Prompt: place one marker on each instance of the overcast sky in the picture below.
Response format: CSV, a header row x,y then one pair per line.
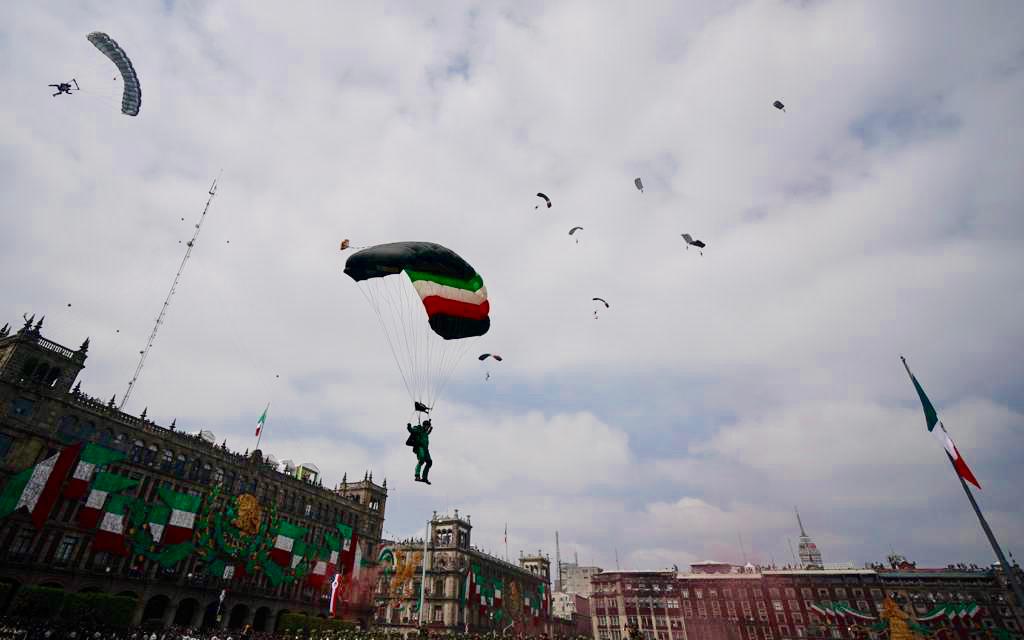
x,y
879,215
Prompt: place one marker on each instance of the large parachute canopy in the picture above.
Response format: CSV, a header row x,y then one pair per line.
x,y
429,302
131,100
546,199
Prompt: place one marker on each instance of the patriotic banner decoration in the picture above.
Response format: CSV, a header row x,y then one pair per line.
x,y
110,537
287,535
157,519
37,488
952,612
93,456
182,518
839,610
106,484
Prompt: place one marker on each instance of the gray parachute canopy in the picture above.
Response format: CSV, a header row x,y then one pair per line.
x,y
131,100
639,184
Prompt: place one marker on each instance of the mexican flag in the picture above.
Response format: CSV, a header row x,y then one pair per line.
x,y
110,537
497,595
327,563
931,418
182,518
287,535
262,420
106,484
298,553
37,488
349,548
93,456
157,518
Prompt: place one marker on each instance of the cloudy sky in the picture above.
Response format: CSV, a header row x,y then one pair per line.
x,y
879,215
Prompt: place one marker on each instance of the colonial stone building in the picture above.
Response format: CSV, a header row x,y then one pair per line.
x,y
465,588
43,413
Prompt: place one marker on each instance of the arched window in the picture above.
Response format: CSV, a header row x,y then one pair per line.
x,y
195,469
179,466
218,475
53,377
151,454
138,449
166,460
204,475
106,436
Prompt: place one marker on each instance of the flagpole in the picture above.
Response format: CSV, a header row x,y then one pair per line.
x,y
506,542
1008,570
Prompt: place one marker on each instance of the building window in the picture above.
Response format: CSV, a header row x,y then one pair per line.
x,y
799,631
806,593
773,592
66,550
5,444
823,593
138,448
23,544
166,460
783,631
790,592
438,613
22,407
876,594
858,593
798,618
777,605
794,605
151,454
840,592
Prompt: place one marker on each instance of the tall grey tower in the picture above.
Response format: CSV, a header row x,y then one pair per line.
x,y
810,556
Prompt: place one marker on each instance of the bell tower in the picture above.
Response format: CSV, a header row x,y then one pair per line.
x,y
450,531
29,359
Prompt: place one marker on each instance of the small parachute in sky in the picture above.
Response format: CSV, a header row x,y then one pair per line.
x,y
485,356
696,243
778,105
639,184
343,245
606,305
131,100
546,199
573,231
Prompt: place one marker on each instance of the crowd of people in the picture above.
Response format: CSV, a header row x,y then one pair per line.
x,y
22,629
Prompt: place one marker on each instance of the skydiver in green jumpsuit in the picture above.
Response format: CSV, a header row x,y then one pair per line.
x,y
419,440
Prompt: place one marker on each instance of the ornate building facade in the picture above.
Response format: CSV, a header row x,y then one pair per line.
x,y
96,499
463,588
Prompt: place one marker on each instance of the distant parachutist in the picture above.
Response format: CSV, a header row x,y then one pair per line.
x,y
573,231
696,243
778,105
639,184
65,87
546,199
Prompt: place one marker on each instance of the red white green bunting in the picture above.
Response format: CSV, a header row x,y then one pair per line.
x,y
284,542
37,488
110,536
93,456
105,485
952,611
182,520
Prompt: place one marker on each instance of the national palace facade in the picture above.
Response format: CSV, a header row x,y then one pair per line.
x,y
97,500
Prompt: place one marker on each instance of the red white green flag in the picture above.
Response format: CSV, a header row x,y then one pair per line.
x,y
106,484
110,536
156,520
349,546
93,457
37,488
931,419
182,519
327,563
287,535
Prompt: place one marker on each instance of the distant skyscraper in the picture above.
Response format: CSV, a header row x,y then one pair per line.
x,y
810,556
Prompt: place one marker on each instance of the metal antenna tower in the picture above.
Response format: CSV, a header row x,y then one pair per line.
x,y
167,300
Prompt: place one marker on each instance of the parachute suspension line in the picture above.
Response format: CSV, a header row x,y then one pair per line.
x,y
167,301
387,334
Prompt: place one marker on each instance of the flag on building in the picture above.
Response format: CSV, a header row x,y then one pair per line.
x,y
931,419
298,553
105,485
349,545
262,420
182,519
287,535
327,562
110,536
93,456
335,588
157,518
37,488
